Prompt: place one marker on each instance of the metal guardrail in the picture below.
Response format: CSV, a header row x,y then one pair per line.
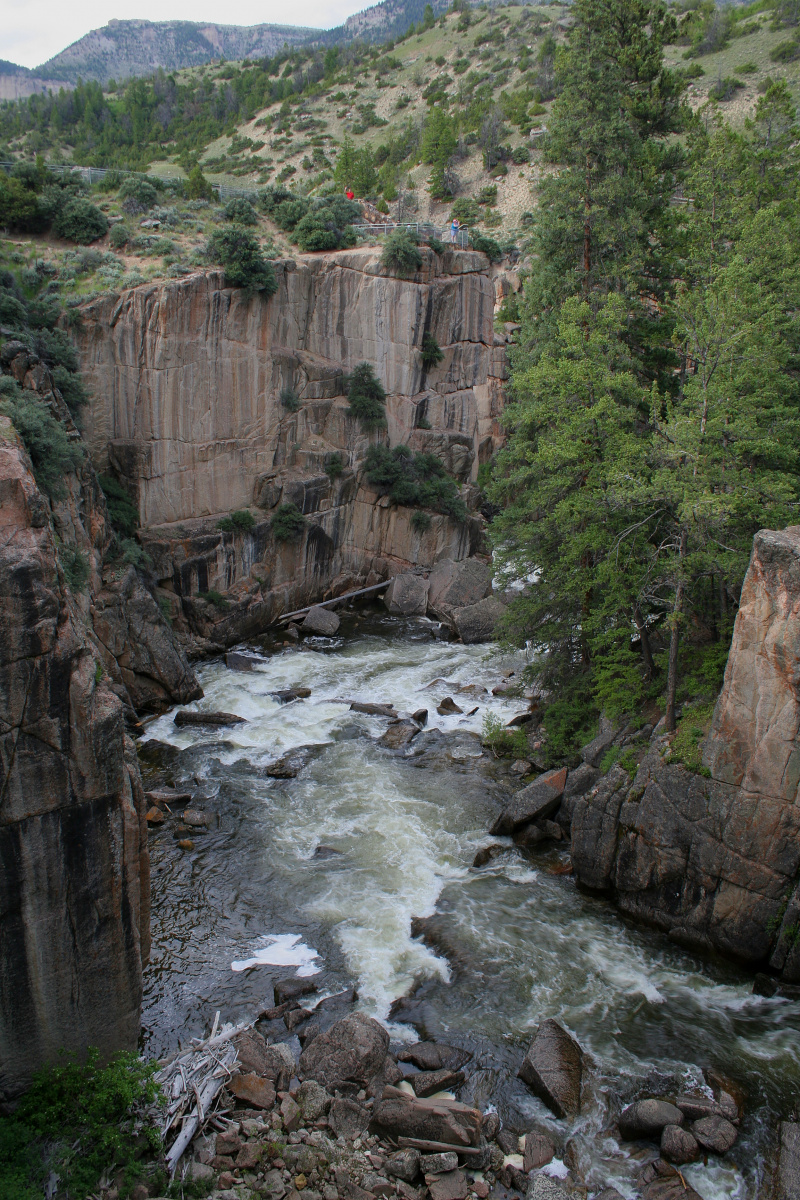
x,y
423,229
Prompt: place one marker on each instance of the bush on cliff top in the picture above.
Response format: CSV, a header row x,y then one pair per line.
x,y
79,1120
401,253
239,253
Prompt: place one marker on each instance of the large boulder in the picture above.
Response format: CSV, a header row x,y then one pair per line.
x,y
539,799
351,1051
478,622
321,621
553,1069
647,1118
407,596
457,585
446,1122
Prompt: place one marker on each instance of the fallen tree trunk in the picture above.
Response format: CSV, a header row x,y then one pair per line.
x,y
301,612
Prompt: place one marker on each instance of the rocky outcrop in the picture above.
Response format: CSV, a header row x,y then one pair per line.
x,y
74,885
714,859
187,378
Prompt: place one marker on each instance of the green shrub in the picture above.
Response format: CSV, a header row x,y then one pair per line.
x,y
240,521
414,480
122,512
239,253
12,310
241,211
133,554
724,89
290,400
487,246
288,523
141,193
432,353
437,246
748,68
687,742
76,568
488,194
420,521
503,741
55,348
366,396
119,236
401,253
77,1121
78,220
53,454
334,465
216,598
318,231
520,155
289,212
786,51
70,384
20,209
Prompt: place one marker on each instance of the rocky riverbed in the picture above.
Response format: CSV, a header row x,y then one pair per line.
x,y
304,837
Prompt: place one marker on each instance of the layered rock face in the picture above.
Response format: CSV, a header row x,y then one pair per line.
x,y
715,861
187,378
74,884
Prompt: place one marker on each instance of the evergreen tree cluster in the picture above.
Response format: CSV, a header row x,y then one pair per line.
x,y
655,408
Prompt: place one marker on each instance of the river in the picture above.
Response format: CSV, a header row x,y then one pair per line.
x,y
323,873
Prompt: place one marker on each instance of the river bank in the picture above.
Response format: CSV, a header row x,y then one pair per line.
x,y
326,871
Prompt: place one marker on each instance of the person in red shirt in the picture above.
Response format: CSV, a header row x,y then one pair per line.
x,y
350,194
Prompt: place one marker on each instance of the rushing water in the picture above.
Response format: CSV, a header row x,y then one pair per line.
x,y
323,873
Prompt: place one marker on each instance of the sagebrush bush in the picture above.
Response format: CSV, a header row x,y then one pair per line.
x,y
142,194
487,246
241,211
401,253
239,253
288,523
367,397
119,236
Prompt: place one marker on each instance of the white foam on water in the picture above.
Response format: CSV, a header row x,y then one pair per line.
x,y
282,950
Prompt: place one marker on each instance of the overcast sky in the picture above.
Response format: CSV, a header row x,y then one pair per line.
x,y
35,30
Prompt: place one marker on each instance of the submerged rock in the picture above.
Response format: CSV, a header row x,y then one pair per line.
x,y
553,1069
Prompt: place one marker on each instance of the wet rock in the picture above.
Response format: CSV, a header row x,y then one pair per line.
x,y
312,1100
321,621
678,1145
447,707
478,622
609,1193
715,1133
695,1107
194,818
168,796
451,1123
348,1119
450,1186
437,1164
787,1178
539,799
427,1082
399,735
287,695
662,1182
553,1068
327,852
373,710
258,1092
295,1017
404,1165
508,1141
238,660
539,1150
730,1096
407,596
284,768
434,1056
420,716
353,1049
487,854
491,1126
292,989
647,1118
154,816
184,717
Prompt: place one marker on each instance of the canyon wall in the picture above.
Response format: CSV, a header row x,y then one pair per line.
x,y
714,859
186,378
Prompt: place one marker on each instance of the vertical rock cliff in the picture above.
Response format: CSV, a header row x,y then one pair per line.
x,y
715,860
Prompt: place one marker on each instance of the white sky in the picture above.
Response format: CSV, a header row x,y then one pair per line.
x,y
35,30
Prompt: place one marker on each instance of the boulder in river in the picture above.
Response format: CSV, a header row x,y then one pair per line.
x,y
434,1056
715,1133
448,706
663,1182
458,584
321,621
399,734
373,710
553,1069
425,1083
678,1145
539,799
287,695
478,622
647,1118
407,596
352,1050
539,1150
292,989
185,717
239,660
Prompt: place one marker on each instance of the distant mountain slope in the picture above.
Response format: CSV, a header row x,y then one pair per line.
x,y
17,82
382,21
124,48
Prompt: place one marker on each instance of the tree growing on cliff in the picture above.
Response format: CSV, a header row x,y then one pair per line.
x,y
367,396
238,251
